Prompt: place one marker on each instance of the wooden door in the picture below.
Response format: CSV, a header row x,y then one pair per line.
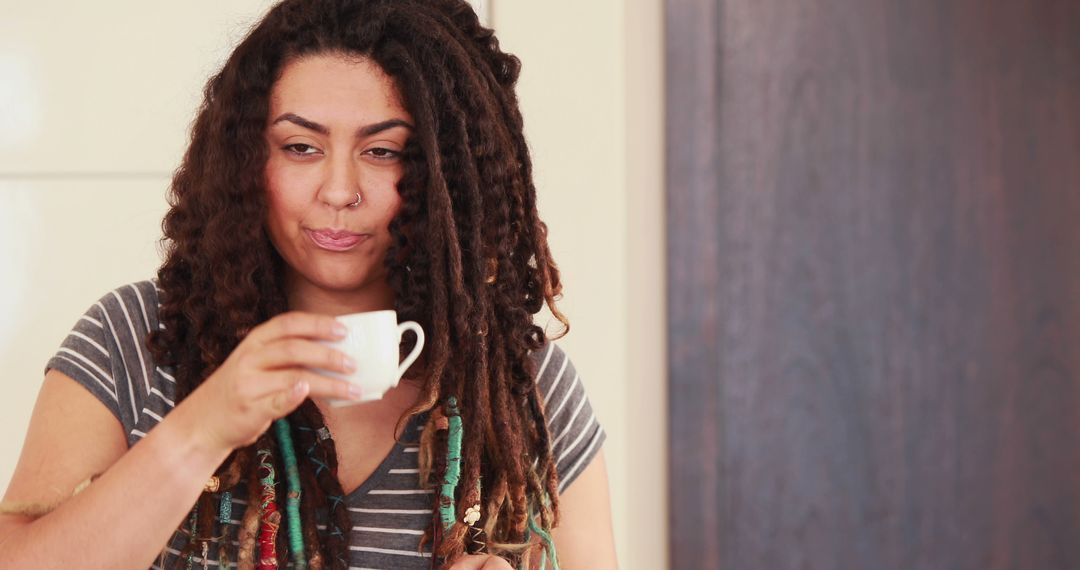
x,y
874,284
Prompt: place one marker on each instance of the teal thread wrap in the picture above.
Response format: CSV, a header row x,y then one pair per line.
x,y
194,521
292,501
549,544
225,514
453,464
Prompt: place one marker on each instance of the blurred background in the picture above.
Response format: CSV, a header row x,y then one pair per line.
x,y
95,104
821,258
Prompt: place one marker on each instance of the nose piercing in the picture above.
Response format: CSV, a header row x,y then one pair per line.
x,y
357,202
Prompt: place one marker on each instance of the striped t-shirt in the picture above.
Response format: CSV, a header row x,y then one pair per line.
x,y
106,353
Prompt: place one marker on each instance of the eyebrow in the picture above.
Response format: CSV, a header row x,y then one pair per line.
x,y
365,131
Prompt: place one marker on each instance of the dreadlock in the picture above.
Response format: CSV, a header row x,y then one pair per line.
x,y
469,261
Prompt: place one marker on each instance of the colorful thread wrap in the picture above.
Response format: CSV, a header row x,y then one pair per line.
x,y
292,500
549,552
270,518
549,544
194,521
453,464
224,516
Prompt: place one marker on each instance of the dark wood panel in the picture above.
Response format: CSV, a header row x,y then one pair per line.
x,y
874,283
694,318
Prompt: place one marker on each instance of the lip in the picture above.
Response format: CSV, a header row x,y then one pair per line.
x,y
335,240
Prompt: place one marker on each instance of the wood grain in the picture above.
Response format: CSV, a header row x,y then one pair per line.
x,y
874,283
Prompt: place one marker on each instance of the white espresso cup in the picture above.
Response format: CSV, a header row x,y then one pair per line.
x,y
373,341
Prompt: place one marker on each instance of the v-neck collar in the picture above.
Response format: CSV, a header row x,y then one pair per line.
x,y
410,438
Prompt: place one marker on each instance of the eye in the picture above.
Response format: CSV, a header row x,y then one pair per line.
x,y
380,153
300,149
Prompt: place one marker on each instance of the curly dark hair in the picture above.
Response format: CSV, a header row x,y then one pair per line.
x,y
470,260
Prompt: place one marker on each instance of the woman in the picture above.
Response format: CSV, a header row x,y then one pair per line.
x,y
350,156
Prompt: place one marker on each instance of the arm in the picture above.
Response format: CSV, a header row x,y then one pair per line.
x,y
142,497
584,536
145,492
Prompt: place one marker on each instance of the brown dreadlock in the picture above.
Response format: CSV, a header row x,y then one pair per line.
x,y
469,262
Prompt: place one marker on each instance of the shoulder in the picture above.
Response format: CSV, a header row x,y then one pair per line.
x,y
106,352
125,315
122,316
575,432
551,364
131,308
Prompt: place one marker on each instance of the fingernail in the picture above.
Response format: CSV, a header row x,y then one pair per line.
x,y
339,330
354,391
299,388
349,364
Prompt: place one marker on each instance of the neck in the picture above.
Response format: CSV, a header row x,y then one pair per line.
x,y
305,296
386,411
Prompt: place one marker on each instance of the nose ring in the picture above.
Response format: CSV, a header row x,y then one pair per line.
x,y
357,202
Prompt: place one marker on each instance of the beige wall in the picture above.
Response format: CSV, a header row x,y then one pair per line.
x,y
92,125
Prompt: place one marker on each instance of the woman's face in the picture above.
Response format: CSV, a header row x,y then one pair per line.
x,y
336,131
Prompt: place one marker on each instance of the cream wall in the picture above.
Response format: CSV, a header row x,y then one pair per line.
x,y
92,125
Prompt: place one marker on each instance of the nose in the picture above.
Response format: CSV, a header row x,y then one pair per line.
x,y
341,186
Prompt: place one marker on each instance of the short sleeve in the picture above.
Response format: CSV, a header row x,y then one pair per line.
x,y
85,357
576,434
106,353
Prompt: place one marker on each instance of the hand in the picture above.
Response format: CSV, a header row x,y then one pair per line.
x,y
266,377
481,562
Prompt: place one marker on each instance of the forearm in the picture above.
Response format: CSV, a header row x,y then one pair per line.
x,y
127,515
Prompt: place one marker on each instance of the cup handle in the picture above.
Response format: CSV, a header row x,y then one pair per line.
x,y
415,328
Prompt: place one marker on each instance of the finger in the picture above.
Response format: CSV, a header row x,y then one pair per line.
x,y
496,563
302,352
285,401
480,562
298,324
319,386
467,562
328,388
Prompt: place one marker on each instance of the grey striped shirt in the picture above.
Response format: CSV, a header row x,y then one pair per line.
x,y
106,353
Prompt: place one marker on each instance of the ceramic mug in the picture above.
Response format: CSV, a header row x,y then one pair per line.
x,y
373,341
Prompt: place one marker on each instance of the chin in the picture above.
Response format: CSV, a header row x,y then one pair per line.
x,y
339,285
347,282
